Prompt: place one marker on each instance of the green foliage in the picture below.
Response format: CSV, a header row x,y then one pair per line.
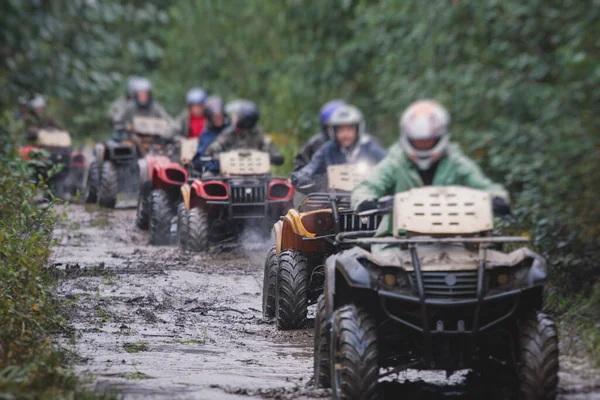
x,y
136,347
31,365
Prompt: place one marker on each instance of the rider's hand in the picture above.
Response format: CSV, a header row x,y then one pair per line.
x,y
299,180
366,206
500,207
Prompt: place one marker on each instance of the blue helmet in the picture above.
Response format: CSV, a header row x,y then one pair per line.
x,y
195,96
329,108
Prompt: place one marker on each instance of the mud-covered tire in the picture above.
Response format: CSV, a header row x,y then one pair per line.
x,y
197,230
92,182
270,283
161,215
322,375
292,290
142,215
109,185
538,357
354,365
182,226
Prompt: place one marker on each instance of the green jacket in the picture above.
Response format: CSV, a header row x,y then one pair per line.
x,y
396,173
116,108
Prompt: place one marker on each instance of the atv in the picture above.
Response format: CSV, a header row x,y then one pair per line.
x,y
304,238
245,194
54,148
435,296
160,194
118,166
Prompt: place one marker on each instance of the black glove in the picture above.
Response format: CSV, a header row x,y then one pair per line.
x,y
500,207
276,159
299,181
366,206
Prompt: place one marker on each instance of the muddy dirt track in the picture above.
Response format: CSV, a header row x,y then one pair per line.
x,y
154,323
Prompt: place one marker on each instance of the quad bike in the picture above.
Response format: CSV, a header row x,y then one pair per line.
x,y
435,296
119,166
160,195
244,194
304,238
56,148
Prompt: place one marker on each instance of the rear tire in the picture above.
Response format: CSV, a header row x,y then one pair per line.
x,y
538,357
142,217
353,353
197,230
270,283
292,290
109,185
161,216
182,226
322,374
93,179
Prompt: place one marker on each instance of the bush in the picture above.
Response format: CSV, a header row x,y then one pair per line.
x,y
31,365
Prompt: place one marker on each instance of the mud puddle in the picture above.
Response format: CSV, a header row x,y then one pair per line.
x,y
151,322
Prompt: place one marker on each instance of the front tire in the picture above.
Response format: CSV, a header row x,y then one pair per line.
x,y
538,357
353,353
197,230
292,290
321,348
160,217
142,217
270,283
109,185
182,227
93,179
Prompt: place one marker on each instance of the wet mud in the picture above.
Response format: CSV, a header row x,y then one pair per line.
x,y
154,323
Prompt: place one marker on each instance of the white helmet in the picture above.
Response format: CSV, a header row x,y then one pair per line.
x,y
346,115
424,132
38,101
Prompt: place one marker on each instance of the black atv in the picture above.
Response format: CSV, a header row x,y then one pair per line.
x,y
435,296
117,166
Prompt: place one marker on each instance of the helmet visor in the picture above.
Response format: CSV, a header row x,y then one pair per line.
x,y
424,144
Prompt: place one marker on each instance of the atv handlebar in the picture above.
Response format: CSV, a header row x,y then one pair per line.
x,y
359,238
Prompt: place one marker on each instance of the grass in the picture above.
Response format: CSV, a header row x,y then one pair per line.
x,y
104,315
136,375
100,221
136,347
202,340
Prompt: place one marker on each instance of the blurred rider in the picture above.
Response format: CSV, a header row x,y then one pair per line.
x,y
39,118
216,121
245,134
118,105
423,156
143,105
191,122
318,139
349,145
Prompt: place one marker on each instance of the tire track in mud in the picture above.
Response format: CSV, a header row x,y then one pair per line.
x,y
152,322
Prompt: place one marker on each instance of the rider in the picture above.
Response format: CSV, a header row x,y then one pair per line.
x,y
217,121
318,139
191,122
143,105
350,145
245,134
39,119
119,104
424,156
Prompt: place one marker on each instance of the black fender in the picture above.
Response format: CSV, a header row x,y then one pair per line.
x,y
347,266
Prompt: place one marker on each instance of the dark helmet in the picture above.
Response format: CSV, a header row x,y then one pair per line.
x,y
213,105
248,115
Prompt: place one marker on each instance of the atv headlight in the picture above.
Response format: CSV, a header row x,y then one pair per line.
x,y
523,275
317,223
393,278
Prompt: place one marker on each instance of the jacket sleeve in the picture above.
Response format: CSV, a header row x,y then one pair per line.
x,y
222,143
380,182
274,153
472,176
315,167
307,151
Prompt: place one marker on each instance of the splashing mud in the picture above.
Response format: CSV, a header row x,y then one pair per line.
x,y
152,322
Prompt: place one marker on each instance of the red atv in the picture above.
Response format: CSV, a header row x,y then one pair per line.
x,y
244,194
54,147
160,193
